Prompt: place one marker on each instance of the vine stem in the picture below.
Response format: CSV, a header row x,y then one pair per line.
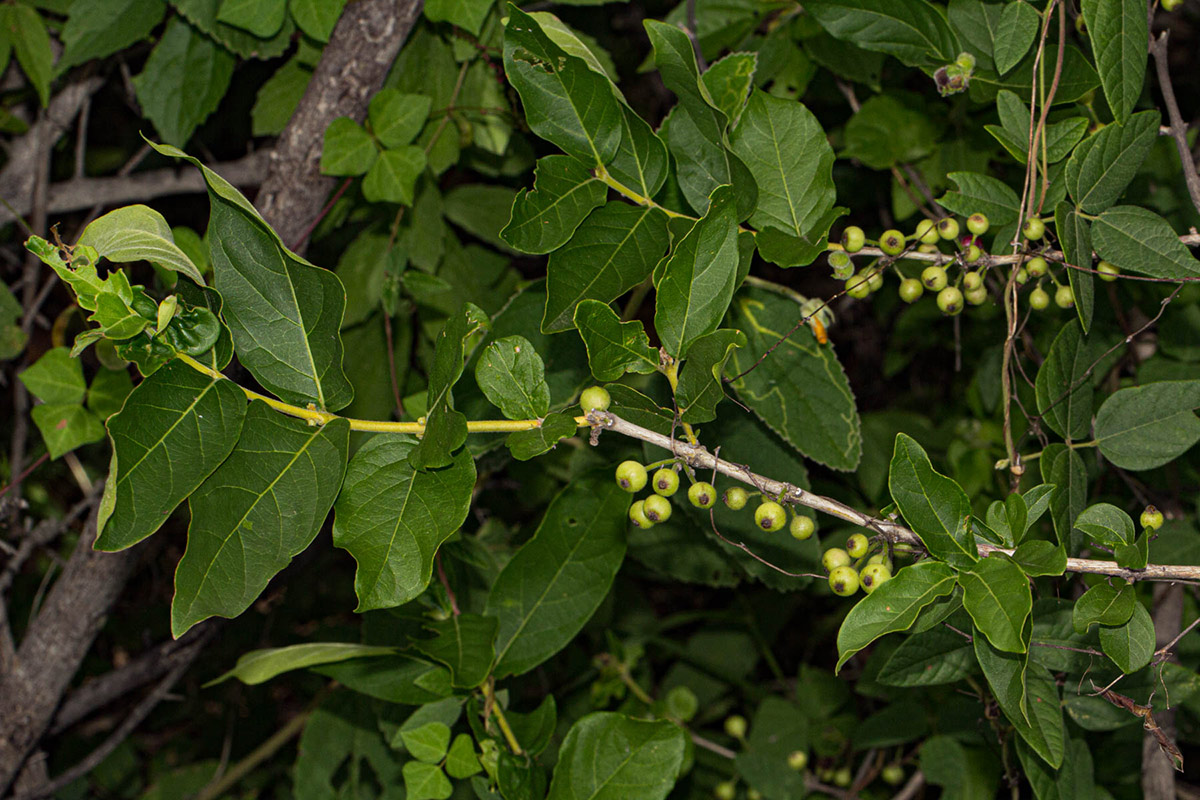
x,y
494,709
698,457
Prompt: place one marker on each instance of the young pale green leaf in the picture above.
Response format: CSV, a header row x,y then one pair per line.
x,y
99,28
983,194
1144,427
396,118
695,284
564,193
1106,524
1075,238
1018,26
1028,696
466,14
316,18
427,742
566,103
1103,604
914,32
175,428
886,131
893,606
466,644
260,666
262,18
183,81
701,384
1138,240
263,506
933,505
66,426
613,347
461,761
348,148
609,756
1064,395
1131,645
556,581
393,176
425,782
1119,32
136,233
800,391
392,518
729,82
1038,557
525,445
996,594
512,375
1064,468
55,378
1104,163
929,658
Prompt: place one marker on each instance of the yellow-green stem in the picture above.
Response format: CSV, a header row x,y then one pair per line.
x,y
672,373
498,713
603,175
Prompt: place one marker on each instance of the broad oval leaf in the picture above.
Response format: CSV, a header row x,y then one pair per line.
x,y
701,385
609,756
1064,395
1147,426
544,218
512,375
1106,524
1103,604
913,31
929,658
136,233
996,594
465,643
1119,33
1018,26
984,194
1104,163
1063,467
934,506
1131,645
1028,696
1138,240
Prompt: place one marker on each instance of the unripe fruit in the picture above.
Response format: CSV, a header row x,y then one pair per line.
x,y
631,476
702,495
974,254
911,290
842,777
1171,5
971,281
878,558
736,497
843,581
841,264
892,242
873,576
657,508
859,286
1022,276
637,515
934,278
1152,518
965,61
802,527
797,760
875,279
927,231
950,300
853,239
666,482
833,558
682,703
726,790
1036,267
1033,229
1064,297
595,397
858,545
978,224
753,794
1038,299
735,726
1108,271
892,774
947,228
770,516
977,297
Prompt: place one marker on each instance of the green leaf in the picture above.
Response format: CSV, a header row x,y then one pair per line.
x,y
1073,781
984,194
55,378
260,508
480,209
1060,137
557,580
202,14
608,756
1018,26
99,28
929,658
977,25
392,518
701,384
963,772
1131,645
613,347
934,506
1028,696
393,176
729,82
66,426
893,606
1147,426
1106,524
1104,163
175,428
800,390
695,284
1075,238
108,391
612,251
566,103
1076,78
31,45
348,148
316,18
512,375
1064,395
466,14
996,594
641,159
914,32
262,18
563,195
395,679
461,761
183,81
1119,32
1135,555
886,131
1103,604
396,118
136,233
260,666
428,742
525,445
1138,240
466,644
425,782
1038,557
1063,467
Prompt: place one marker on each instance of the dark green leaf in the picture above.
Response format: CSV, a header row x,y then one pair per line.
x,y
1018,26
1120,36
608,756
912,31
886,131
1138,240
701,384
396,118
66,426
31,45
614,347
1028,696
262,18
512,375
108,391
1131,645
203,15
393,176
1075,238
1064,395
934,506
525,445
445,428
983,194
1063,467
563,195
996,594
729,82
98,28
465,643
1073,781
1106,524
1147,426
929,658
1038,557
1103,604
1104,163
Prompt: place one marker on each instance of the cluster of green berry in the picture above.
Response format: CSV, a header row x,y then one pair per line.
x,y
852,567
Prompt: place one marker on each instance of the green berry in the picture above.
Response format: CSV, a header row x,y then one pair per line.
x,y
637,515
892,774
892,242
1152,518
797,760
978,224
1108,271
657,508
843,777
1033,229
735,726
947,228
631,476
753,794
928,248
802,527
972,280
873,576
934,278
858,545
853,239
859,286
736,497
950,300
833,558
841,264
682,703
666,482
965,61
1171,5
1022,276
725,790
1064,297
976,297
911,290
878,558
1038,299
927,232
974,254
595,397
702,495
843,581
770,516
875,279
1036,267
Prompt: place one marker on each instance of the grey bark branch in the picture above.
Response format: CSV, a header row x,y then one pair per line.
x,y
1158,48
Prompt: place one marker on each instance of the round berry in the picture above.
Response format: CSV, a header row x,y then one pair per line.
x,y
928,248
858,545
947,228
853,239
595,398
725,790
976,297
1036,267
927,232
859,286
1033,229
974,254
631,476
833,558
934,278
841,264
978,224
843,581
802,527
770,516
911,290
842,777
972,280
1064,297
875,279
1022,276
736,497
637,515
702,495
753,794
892,774
873,576
1108,271
797,760
892,242
879,558
682,703
666,482
735,726
1152,518
657,508
965,61
950,300
1038,299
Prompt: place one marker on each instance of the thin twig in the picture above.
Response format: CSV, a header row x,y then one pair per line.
x,y
1158,48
